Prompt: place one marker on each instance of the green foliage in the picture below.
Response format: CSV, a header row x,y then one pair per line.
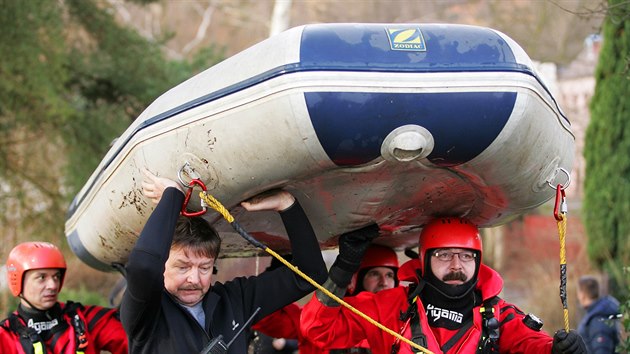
x,y
624,346
8,303
82,295
116,74
31,68
606,204
71,80
619,287
32,105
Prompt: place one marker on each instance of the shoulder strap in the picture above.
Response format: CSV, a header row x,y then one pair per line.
x,y
4,324
489,341
416,330
417,336
71,307
457,336
30,340
78,324
408,317
487,307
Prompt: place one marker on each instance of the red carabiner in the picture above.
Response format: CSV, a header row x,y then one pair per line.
x,y
560,206
191,186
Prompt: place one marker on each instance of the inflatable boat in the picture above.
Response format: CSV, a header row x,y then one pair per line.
x,y
393,123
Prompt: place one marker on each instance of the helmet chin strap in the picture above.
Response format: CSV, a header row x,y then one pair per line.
x,y
33,307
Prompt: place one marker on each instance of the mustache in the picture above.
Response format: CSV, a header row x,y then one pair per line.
x,y
455,276
190,288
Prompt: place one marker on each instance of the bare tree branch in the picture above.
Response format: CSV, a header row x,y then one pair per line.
x,y
616,12
281,17
206,20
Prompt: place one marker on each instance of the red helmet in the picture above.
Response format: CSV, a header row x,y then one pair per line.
x,y
379,256
448,233
375,256
32,255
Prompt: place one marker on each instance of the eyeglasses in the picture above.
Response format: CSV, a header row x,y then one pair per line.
x,y
447,256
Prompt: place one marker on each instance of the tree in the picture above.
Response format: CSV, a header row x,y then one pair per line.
x,y
115,74
71,80
607,184
33,75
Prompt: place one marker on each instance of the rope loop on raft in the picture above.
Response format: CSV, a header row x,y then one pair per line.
x,y
560,211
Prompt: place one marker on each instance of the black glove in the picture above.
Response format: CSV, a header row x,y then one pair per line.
x,y
568,343
352,247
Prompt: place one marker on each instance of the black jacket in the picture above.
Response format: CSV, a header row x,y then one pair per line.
x,y
155,323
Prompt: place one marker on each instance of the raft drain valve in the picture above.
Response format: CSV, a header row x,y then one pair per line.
x,y
407,143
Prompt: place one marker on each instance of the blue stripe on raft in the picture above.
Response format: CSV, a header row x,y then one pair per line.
x,y
351,126
84,255
367,47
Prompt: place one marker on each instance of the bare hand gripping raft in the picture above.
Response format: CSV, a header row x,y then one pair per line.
x,y
393,123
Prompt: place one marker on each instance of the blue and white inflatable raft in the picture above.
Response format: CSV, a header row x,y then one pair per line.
x,y
393,123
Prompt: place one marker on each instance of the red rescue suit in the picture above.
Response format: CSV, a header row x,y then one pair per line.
x,y
103,331
285,323
338,327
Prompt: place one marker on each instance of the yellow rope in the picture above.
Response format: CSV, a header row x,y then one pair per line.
x,y
216,205
562,228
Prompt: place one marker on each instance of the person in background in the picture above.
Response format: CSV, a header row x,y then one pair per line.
x,y
261,343
170,304
377,272
452,306
599,326
41,324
